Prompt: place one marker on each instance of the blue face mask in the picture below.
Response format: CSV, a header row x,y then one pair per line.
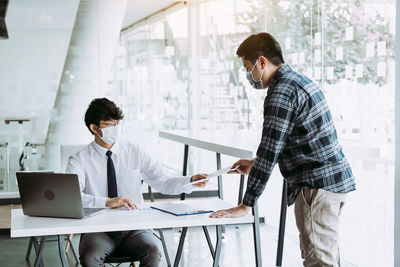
x,y
255,84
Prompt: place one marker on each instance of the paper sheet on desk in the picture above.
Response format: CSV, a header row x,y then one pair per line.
x,y
212,175
140,209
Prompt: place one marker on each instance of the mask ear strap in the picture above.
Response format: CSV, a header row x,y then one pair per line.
x,y
254,66
98,128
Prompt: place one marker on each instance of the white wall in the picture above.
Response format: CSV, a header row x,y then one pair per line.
x,y
87,71
31,63
397,143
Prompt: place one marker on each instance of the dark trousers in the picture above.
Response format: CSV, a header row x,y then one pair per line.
x,y
142,245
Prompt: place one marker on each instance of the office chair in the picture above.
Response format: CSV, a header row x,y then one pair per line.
x,y
116,260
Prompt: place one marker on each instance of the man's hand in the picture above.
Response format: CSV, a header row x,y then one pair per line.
x,y
199,177
242,166
235,212
119,202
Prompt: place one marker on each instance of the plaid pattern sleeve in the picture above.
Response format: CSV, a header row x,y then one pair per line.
x,y
298,134
279,114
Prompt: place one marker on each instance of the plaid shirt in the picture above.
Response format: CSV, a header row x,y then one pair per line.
x,y
298,134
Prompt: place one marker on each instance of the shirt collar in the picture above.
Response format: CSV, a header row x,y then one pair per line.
x,y
102,151
278,74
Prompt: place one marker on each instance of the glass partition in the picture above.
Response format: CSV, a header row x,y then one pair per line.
x,y
182,73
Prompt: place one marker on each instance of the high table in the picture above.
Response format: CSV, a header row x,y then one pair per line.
x,y
239,144
123,220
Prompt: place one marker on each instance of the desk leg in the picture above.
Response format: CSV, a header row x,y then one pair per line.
x,y
220,191
218,246
210,245
256,234
162,239
180,247
164,247
282,222
39,251
151,195
28,252
185,165
69,241
61,245
240,199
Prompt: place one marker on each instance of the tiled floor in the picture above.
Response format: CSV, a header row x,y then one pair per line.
x,y
237,249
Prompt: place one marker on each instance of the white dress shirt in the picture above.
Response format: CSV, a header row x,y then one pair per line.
x,y
132,164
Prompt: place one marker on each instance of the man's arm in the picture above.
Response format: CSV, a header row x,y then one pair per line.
x,y
158,178
279,117
74,166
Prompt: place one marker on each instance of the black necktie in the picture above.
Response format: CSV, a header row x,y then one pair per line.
x,y
111,180
112,188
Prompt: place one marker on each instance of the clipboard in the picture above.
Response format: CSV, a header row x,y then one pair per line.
x,y
180,209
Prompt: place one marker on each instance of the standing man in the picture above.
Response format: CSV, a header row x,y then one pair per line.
x,y
298,134
110,172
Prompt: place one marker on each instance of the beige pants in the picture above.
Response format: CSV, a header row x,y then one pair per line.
x,y
317,214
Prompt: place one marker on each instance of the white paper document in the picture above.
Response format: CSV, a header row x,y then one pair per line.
x,y
339,53
349,33
381,69
317,55
329,73
301,57
349,71
359,70
317,38
370,49
214,174
140,209
287,43
381,50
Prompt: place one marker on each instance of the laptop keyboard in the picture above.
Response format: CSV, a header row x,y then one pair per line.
x,y
90,211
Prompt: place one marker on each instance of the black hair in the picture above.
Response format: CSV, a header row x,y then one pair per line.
x,y
261,44
102,109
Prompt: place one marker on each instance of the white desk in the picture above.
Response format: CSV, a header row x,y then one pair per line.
x,y
121,220
240,144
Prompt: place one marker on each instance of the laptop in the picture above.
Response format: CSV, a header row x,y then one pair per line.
x,y
52,195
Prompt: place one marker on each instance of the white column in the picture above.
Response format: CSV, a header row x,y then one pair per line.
x,y
193,71
87,71
397,142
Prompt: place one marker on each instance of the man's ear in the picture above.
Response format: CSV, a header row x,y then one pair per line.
x,y
263,61
95,129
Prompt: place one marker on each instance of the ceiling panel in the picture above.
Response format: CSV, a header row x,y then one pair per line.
x,y
139,9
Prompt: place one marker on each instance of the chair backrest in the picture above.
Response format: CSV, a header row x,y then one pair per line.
x,y
65,152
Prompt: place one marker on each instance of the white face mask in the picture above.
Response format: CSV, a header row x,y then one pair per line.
x,y
110,134
255,84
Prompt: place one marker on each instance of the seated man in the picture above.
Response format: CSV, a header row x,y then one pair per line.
x,y
110,171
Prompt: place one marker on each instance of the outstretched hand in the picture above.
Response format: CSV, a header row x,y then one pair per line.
x,y
242,166
235,212
199,177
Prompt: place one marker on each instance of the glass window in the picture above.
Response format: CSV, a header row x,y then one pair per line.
x,y
182,72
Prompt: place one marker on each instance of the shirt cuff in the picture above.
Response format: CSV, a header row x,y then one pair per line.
x,y
249,199
100,202
186,188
